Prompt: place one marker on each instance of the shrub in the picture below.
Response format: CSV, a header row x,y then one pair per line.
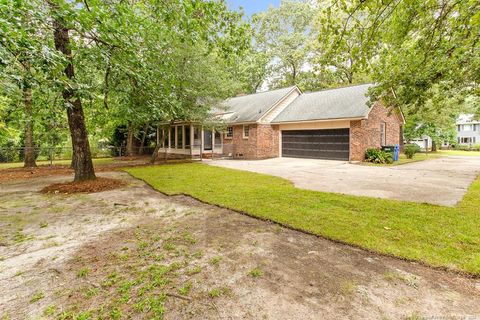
x,y
378,156
410,150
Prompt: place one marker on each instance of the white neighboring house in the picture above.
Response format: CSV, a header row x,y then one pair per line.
x,y
425,142
468,130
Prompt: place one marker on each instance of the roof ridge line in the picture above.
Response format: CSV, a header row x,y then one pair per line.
x,y
252,94
338,88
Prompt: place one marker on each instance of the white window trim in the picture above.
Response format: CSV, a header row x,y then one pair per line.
x,y
243,131
226,133
383,133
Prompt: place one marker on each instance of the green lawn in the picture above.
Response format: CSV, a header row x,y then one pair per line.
x,y
9,165
459,153
439,236
402,159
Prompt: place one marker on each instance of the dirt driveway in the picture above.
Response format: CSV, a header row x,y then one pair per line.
x,y
135,253
442,181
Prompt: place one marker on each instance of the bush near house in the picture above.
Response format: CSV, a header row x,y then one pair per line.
x,y
410,150
378,156
474,147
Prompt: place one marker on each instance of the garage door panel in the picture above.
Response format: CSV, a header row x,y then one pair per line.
x,y
321,144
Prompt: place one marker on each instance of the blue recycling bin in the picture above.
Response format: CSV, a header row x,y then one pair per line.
x,y
396,152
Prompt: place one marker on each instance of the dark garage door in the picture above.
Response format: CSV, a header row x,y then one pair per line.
x,y
320,144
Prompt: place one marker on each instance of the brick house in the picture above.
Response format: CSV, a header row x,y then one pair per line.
x,y
332,124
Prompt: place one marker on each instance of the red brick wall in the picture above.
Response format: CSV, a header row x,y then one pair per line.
x,y
262,142
267,141
366,134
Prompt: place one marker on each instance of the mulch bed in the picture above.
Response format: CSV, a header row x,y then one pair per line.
x,y
89,186
16,174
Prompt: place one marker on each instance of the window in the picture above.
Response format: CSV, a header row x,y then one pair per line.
x,y
246,131
229,133
165,138
179,137
217,140
466,140
196,137
383,133
187,137
172,137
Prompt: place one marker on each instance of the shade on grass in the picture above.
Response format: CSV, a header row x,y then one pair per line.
x,y
97,161
402,159
439,236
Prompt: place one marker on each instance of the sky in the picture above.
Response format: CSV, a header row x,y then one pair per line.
x,y
252,6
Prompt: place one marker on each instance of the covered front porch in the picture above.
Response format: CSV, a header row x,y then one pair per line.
x,y
189,140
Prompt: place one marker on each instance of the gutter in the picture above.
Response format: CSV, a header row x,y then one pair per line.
x,y
320,120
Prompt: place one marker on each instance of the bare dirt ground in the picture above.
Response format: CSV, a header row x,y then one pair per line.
x,y
135,253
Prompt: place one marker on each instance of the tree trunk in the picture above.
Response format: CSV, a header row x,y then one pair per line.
x,y
155,153
82,159
144,136
434,146
29,153
129,151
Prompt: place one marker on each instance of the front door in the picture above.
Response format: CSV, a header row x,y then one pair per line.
x,y
207,140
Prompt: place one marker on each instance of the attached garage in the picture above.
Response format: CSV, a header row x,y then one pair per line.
x,y
332,144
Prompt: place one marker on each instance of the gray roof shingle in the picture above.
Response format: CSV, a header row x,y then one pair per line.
x,y
252,107
347,102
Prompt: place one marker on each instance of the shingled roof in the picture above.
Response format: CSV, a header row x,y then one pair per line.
x,y
341,103
252,107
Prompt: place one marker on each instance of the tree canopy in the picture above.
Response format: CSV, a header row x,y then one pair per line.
x,y
130,64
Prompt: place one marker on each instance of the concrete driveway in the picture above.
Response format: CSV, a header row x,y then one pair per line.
x,y
442,181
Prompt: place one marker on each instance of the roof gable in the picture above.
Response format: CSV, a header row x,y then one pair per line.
x,y
250,108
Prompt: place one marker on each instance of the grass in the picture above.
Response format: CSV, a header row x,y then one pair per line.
x,y
459,153
255,273
10,165
139,286
82,273
439,236
36,297
402,159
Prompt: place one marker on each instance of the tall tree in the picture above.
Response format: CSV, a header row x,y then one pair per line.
x,y
285,33
428,59
82,159
344,45
21,61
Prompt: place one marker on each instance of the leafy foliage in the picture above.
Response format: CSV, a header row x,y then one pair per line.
x,y
134,63
410,150
378,156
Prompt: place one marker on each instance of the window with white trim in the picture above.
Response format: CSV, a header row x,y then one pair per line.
x,y
246,131
466,140
383,133
229,132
